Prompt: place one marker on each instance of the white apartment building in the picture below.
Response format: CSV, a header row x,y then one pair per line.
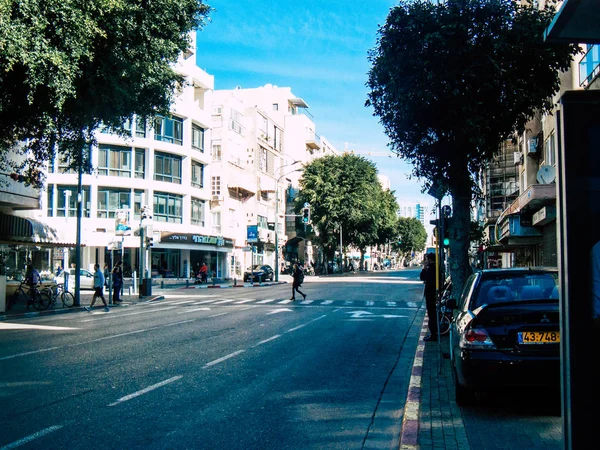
x,y
262,137
164,166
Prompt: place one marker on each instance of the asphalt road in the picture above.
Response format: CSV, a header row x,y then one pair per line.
x,y
217,369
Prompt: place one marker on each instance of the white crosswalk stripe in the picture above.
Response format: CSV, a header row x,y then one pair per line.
x,y
220,302
285,302
269,300
327,302
245,301
306,302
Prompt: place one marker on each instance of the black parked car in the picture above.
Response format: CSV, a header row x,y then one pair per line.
x,y
505,331
259,273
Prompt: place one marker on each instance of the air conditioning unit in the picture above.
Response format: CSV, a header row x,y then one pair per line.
x,y
518,158
532,146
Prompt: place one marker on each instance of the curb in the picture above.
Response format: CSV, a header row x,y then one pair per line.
x,y
410,422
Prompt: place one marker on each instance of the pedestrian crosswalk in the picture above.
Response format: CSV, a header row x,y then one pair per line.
x,y
216,301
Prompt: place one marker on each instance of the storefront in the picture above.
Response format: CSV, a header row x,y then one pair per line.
x,y
180,255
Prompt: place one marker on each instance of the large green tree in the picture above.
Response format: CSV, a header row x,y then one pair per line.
x,y
410,236
67,66
344,192
451,81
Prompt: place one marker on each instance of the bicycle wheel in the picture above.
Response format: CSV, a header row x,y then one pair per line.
x,y
444,324
41,300
17,296
67,299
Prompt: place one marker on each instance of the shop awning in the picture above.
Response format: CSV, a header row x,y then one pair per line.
x,y
576,22
23,230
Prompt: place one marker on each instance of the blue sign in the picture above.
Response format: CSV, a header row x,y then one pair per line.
x,y
252,235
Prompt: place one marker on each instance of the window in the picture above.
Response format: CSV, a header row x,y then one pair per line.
x,y
266,162
275,106
168,207
235,123
50,200
137,203
140,126
215,185
216,152
198,207
277,141
261,221
549,150
169,129
216,222
197,174
167,167
64,161
140,163
198,138
109,200
66,204
114,161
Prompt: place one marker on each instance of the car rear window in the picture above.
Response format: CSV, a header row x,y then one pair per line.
x,y
515,287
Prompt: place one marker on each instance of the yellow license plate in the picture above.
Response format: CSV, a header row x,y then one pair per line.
x,y
538,337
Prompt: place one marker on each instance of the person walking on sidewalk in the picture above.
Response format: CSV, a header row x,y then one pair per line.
x,y
117,280
98,288
298,276
428,275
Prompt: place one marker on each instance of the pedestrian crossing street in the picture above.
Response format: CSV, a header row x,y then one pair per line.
x,y
219,301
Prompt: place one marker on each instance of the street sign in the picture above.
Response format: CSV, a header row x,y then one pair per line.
x,y
252,233
246,249
122,225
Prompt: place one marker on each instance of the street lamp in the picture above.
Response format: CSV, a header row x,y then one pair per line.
x,y
277,215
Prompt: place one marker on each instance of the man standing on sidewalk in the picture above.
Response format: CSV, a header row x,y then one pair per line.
x,y
98,288
428,275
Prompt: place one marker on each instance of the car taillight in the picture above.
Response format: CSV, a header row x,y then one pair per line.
x,y
476,338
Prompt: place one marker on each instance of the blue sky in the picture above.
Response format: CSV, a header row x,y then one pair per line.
x,y
319,49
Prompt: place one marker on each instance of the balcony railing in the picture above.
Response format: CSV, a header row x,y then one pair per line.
x,y
589,66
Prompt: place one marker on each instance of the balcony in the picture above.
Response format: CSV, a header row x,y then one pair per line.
x,y
589,66
313,141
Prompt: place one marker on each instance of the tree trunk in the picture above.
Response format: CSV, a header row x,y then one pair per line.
x,y
459,232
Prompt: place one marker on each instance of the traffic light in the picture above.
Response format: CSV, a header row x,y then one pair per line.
x,y
149,241
446,228
306,214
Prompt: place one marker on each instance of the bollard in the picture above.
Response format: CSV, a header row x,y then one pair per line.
x,y
129,289
187,283
235,281
162,284
214,281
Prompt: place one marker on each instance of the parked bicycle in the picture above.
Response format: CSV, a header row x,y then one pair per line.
x,y
445,313
31,295
58,290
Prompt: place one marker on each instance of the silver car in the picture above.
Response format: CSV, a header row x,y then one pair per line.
x,y
86,279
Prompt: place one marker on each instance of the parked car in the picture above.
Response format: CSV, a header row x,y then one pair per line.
x,y
505,331
86,279
259,273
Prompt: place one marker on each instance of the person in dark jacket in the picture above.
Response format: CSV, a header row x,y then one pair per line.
x,y
428,275
117,280
298,276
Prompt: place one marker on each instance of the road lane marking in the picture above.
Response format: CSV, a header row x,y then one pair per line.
x,y
272,338
269,300
307,323
146,390
149,311
180,302
4,358
220,314
224,358
277,311
327,302
224,301
179,323
32,437
306,302
204,302
244,301
204,308
285,302
23,326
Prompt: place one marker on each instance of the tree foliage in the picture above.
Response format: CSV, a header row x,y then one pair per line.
x,y
68,66
410,236
451,81
344,190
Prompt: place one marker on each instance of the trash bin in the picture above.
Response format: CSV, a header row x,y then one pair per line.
x,y
146,287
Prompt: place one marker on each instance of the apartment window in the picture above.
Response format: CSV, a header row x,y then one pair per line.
x,y
110,199
50,200
266,161
167,167
235,123
198,207
64,161
140,126
277,141
138,196
550,150
261,221
216,152
67,203
169,129
140,163
168,207
275,106
216,222
114,161
197,174
215,185
198,138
